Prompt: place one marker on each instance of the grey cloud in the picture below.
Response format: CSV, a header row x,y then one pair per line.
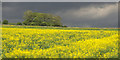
x,y
60,0
105,15
90,12
0,12
81,14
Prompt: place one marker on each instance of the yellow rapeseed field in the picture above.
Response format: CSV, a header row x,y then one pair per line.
x,y
58,43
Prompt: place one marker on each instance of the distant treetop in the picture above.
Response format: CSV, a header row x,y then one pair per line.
x,y
5,22
41,19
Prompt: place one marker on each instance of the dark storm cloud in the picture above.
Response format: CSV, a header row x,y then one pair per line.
x,y
104,15
73,14
60,0
0,12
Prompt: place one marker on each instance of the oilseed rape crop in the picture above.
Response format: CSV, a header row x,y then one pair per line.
x,y
58,43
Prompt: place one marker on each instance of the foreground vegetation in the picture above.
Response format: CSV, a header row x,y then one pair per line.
x,y
54,42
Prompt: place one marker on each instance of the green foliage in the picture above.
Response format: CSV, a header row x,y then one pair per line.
x,y
5,22
41,19
19,23
12,23
57,25
33,23
44,24
64,26
25,22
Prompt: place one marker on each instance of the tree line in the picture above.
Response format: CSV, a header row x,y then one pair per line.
x,y
39,19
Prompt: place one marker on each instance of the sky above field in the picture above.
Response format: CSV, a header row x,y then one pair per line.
x,y
60,0
74,14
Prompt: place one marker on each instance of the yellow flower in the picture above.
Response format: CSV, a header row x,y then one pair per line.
x,y
59,43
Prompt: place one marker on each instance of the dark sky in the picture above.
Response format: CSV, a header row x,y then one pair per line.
x,y
75,14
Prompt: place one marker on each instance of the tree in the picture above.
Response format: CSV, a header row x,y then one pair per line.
x,y
19,23
5,22
28,16
56,21
25,22
64,26
33,23
41,19
44,24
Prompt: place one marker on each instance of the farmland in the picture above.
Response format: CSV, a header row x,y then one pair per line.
x,y
58,42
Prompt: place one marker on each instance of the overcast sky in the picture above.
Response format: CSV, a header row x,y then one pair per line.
x,y
75,14
60,0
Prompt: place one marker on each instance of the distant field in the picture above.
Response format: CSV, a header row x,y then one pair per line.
x,y
63,28
59,42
